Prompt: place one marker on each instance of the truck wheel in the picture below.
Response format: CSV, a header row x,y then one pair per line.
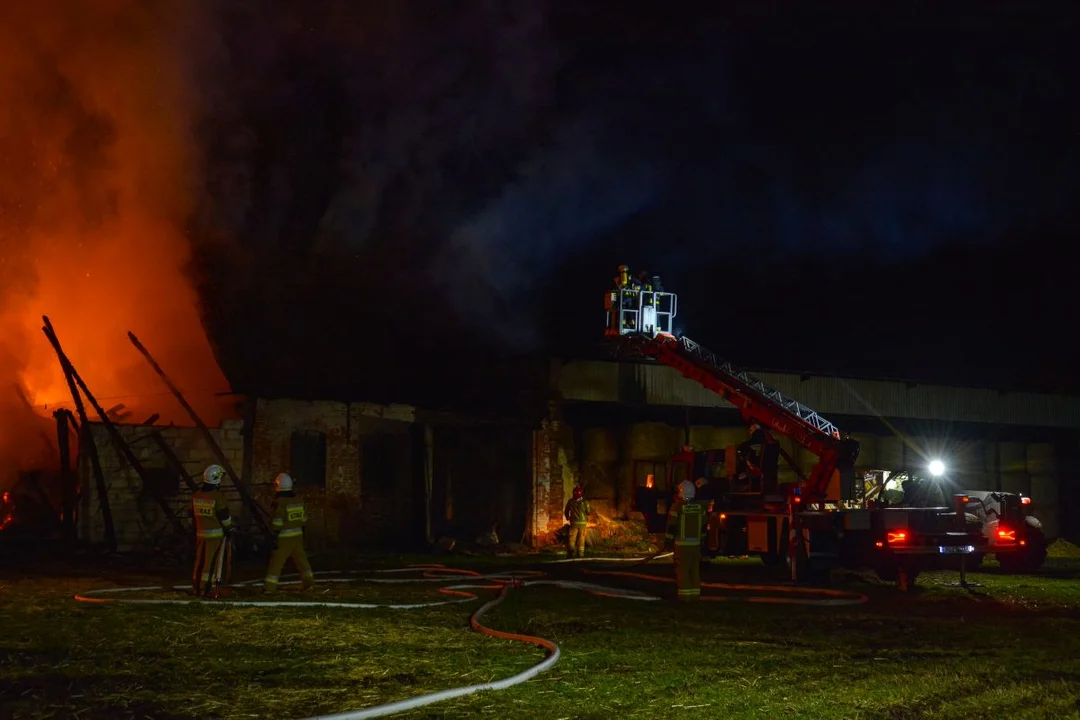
x,y
1024,561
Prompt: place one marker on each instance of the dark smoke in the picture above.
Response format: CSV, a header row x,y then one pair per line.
x,y
563,196
473,156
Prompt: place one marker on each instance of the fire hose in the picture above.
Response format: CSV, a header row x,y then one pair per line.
x,y
659,554
502,581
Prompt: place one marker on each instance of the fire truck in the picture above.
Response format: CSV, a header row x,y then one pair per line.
x,y
814,524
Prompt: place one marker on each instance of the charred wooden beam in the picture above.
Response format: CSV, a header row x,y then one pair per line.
x,y
67,473
118,413
114,434
86,439
258,513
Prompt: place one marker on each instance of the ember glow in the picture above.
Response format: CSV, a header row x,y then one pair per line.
x,y
97,176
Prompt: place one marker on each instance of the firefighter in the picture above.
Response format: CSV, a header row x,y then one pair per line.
x,y
213,525
753,448
288,520
644,281
577,512
686,524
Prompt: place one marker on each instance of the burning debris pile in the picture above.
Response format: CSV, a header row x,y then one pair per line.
x,y
96,177
611,536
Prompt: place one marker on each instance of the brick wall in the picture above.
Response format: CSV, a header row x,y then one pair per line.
x,y
138,519
555,472
372,494
345,509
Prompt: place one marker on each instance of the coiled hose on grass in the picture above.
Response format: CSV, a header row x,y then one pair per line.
x,y
464,592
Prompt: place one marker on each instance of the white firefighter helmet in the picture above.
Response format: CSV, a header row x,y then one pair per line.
x,y
283,482
213,475
687,490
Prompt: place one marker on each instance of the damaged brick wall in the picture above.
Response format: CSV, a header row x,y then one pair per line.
x,y
345,508
138,519
555,472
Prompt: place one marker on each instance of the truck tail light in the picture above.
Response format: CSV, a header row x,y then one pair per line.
x,y
897,537
1025,501
1006,535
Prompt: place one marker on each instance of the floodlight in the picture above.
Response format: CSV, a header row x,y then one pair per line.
x,y
937,468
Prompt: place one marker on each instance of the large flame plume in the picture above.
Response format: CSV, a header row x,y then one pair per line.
x,y
98,173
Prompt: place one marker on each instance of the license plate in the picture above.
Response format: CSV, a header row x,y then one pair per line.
x,y
955,549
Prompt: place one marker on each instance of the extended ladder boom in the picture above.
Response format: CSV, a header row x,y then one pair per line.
x,y
644,317
754,398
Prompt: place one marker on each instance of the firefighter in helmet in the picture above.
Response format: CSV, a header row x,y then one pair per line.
x,y
288,518
752,449
213,525
643,281
577,512
686,525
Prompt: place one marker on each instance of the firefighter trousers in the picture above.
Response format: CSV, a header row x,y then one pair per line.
x,y
688,571
289,548
578,531
206,557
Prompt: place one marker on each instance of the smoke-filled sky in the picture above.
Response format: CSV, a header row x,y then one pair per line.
x,y
475,174
359,182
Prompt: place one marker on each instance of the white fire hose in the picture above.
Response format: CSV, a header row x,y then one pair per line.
x,y
464,592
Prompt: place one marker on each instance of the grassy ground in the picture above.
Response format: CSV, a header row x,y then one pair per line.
x,y
1008,648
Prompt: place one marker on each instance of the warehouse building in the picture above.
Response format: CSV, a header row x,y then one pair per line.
x,y
382,477
615,424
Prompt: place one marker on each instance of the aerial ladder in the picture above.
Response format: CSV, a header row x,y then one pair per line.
x,y
641,321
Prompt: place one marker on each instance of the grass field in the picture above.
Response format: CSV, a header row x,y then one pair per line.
x,y
1009,648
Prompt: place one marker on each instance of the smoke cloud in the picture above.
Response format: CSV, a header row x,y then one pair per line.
x,y
564,196
472,156
96,181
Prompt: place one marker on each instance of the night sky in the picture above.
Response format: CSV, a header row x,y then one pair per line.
x,y
831,187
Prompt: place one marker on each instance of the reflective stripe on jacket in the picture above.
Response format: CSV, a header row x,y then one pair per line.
x,y
288,516
577,511
210,511
686,523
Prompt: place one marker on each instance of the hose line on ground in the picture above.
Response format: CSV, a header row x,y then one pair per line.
x,y
828,597
465,592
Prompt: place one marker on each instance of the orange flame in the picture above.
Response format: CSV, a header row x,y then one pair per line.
x,y
96,178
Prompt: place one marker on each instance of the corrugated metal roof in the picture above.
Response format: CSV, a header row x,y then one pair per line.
x,y
598,381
